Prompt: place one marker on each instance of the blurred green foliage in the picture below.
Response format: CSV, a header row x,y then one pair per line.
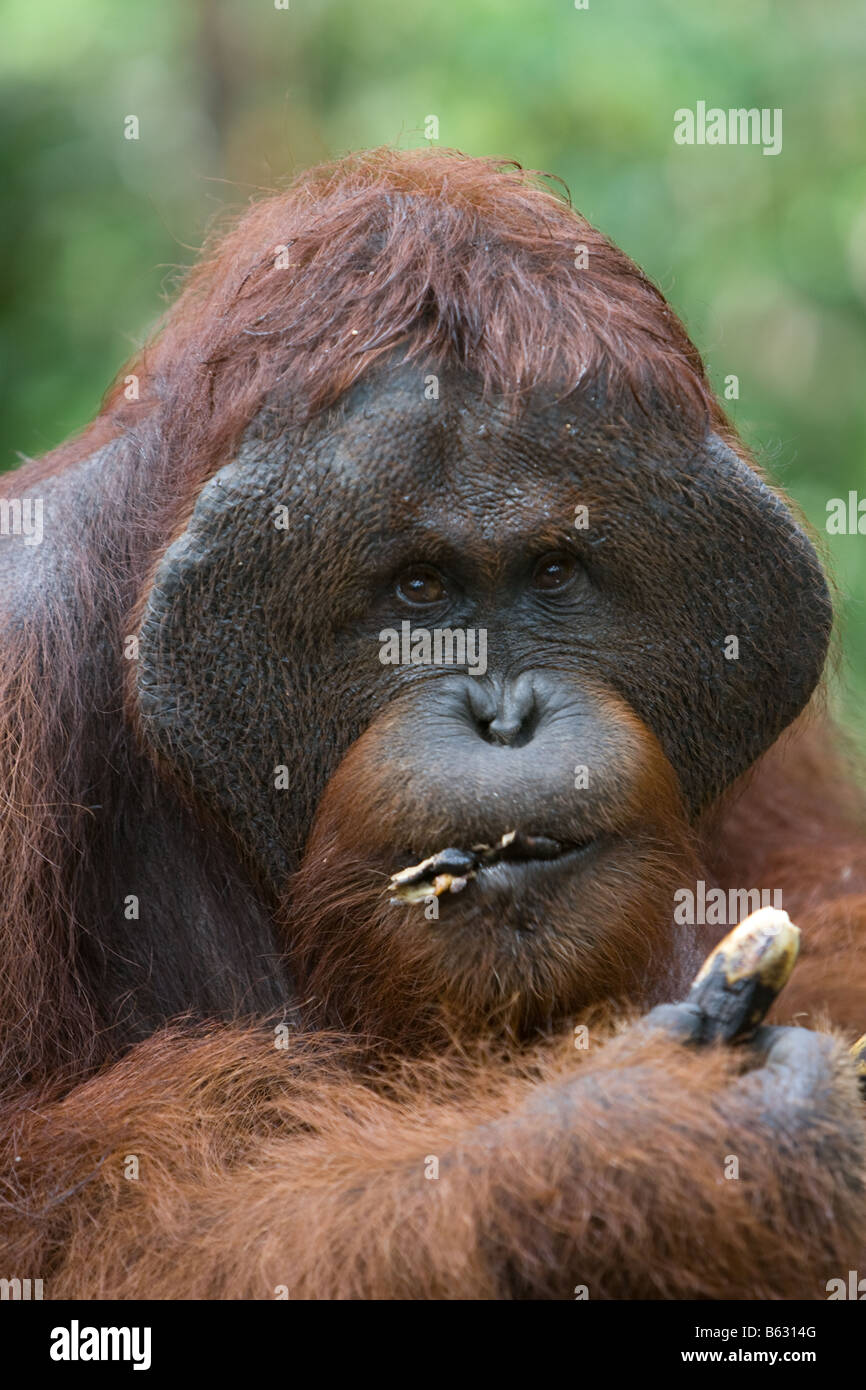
x,y
765,258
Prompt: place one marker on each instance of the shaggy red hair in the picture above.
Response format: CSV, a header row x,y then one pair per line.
x,y
254,1157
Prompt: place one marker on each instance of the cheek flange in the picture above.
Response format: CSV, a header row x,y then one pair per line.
x,y
726,631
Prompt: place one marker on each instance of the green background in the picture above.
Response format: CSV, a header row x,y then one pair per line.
x,y
764,258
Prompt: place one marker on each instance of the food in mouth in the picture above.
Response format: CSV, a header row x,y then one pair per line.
x,y
451,869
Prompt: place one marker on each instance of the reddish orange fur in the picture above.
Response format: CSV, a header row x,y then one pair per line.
x,y
306,1167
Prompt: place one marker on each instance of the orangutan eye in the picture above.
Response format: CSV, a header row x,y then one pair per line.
x,y
420,585
554,571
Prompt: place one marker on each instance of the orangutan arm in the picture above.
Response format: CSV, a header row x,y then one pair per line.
x,y
264,1173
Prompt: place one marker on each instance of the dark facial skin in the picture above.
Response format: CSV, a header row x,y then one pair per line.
x,y
522,942
206,956
604,652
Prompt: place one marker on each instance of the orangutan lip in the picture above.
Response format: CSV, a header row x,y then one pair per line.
x,y
451,869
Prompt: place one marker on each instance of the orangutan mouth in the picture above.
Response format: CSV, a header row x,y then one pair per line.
x,y
451,869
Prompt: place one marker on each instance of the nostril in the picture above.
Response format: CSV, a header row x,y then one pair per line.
x,y
505,714
502,730
513,722
483,702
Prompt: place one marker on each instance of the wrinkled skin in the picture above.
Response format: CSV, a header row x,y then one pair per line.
x,y
619,671
260,650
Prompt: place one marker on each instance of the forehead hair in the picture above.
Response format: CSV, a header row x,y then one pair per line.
x,y
452,260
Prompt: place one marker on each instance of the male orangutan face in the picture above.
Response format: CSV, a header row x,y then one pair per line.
x,y
594,564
